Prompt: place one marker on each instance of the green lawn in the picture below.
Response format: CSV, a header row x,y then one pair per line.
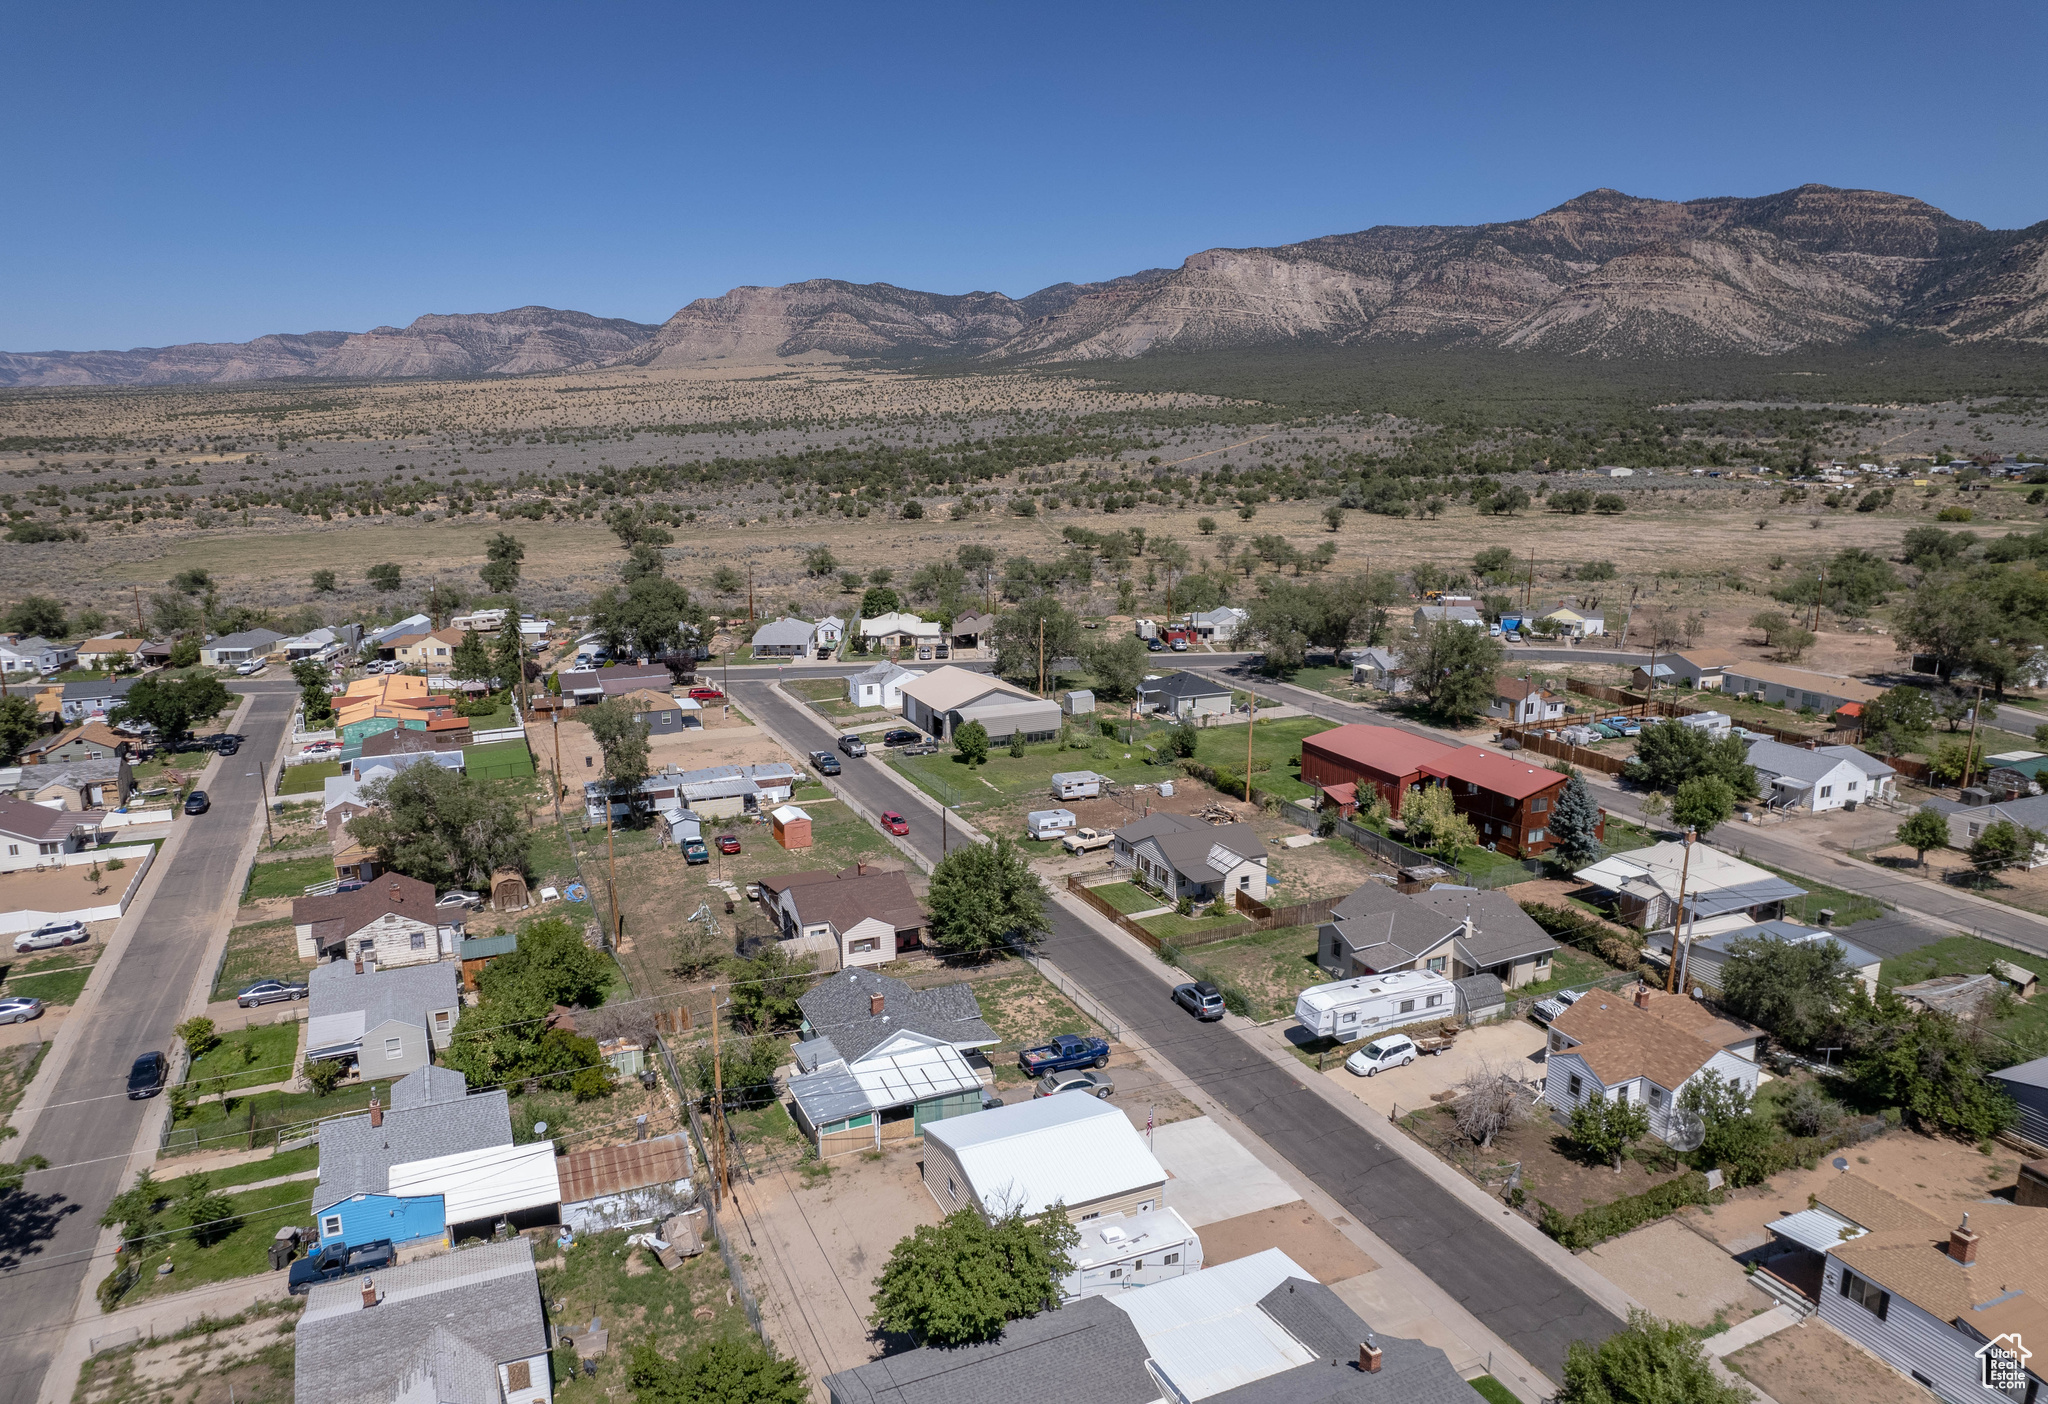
x,y
1569,969
1622,835
1848,907
496,719
1128,897
263,950
1489,868
226,1124
1273,745
1172,926
288,877
250,1057
500,760
1025,1011
243,1253
53,979
1493,1390
2025,1024
1011,781
1272,968
308,777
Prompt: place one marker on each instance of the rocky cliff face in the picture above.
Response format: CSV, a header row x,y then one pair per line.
x,y
488,343
1606,274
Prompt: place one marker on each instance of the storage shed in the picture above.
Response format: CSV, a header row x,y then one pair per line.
x,y
1073,1150
1077,703
791,826
609,1187
2027,1084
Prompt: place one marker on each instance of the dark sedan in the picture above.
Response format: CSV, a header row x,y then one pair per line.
x,y
902,736
197,802
146,1077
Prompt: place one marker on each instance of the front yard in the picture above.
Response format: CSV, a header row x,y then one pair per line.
x,y
308,777
1026,1011
252,1057
243,1252
287,877
255,1121
1271,968
1275,753
56,978
263,950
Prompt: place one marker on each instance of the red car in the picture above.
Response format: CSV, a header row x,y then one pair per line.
x,y
706,694
894,823
728,843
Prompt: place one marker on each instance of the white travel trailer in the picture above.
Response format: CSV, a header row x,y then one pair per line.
x,y
1349,1010
1076,784
1049,823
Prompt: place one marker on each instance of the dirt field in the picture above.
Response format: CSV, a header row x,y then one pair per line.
x,y
1295,1229
1812,1363
1678,1275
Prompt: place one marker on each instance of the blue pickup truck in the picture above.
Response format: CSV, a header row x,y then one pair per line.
x,y
1064,1052
338,1260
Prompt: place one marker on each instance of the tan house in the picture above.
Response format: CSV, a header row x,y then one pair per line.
x,y
1797,688
92,741
852,918
389,922
427,651
1453,932
103,653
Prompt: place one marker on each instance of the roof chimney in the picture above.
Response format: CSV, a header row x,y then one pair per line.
x,y
1642,995
369,1293
1369,1356
860,867
874,1004
376,1112
359,962
1962,1243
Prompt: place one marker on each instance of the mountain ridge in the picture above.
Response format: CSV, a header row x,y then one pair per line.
x,y
1604,274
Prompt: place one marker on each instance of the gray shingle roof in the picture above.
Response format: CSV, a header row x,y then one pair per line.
x,y
1182,684
1087,1350
34,777
1186,843
1798,763
356,1157
443,1326
1410,1372
784,633
1377,918
407,993
1501,930
837,1008
248,638
94,689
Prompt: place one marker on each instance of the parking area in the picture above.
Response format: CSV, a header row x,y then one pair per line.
x,y
1678,1274
1514,1047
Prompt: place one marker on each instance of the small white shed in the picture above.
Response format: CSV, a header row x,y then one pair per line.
x,y
1077,703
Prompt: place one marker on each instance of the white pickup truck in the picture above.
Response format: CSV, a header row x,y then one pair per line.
x,y
1086,840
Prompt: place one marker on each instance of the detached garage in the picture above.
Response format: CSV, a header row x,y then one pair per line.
x,y
1072,1149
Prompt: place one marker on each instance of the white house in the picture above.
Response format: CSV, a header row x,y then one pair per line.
x,y
1524,702
1426,615
898,630
827,634
1378,667
1821,778
32,835
1187,858
1645,885
1221,624
879,686
35,654
1642,1046
783,638
388,1022
230,649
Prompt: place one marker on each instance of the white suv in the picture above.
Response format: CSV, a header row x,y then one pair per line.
x,y
56,933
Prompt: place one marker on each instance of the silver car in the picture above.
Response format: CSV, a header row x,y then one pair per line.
x,y
19,1009
1075,1080
269,992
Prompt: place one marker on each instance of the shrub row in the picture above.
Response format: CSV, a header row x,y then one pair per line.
x,y
1601,1222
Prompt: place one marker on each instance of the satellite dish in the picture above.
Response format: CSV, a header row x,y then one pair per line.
x,y
540,1128
1687,1131
1841,1162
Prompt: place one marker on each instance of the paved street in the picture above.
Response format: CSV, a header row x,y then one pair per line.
x,y
87,1126
1520,1298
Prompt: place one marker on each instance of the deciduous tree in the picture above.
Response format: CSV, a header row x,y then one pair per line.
x,y
1652,1362
1703,803
1925,828
1604,1128
731,1369
1790,988
1452,666
442,827
963,1279
622,739
970,743
1669,753
171,705
982,895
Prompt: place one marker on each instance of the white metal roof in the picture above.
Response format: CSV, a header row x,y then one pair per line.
x,y
334,1032
789,814
482,1184
1206,1333
914,1074
1069,1149
1816,1229
1115,1237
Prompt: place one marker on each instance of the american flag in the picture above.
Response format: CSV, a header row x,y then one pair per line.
x,y
1148,1128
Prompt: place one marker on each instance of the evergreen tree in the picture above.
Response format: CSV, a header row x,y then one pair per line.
x,y
471,661
502,555
1574,824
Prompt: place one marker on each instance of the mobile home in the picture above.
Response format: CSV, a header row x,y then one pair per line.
x,y
1372,1004
1048,823
1076,784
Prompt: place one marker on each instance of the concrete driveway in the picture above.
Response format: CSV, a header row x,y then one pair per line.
x,y
1515,1048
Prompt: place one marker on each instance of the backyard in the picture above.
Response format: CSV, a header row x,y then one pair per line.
x,y
2022,1024
1012,786
287,877
1275,753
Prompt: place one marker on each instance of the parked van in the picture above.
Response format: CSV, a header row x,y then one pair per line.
x,y
1349,1010
1049,824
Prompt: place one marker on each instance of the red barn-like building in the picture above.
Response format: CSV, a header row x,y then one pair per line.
x,y
1383,758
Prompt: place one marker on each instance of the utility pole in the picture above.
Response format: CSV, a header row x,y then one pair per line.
x,y
1821,588
750,594
718,1106
1684,868
1529,585
555,723
1970,758
1041,657
138,614
611,858
263,783
1251,718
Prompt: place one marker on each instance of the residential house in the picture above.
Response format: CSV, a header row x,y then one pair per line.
x,y
432,1114
880,1060
432,650
1382,758
232,649
33,835
861,916
584,686
1508,800
711,792
1968,819
1456,932
387,701
1951,1305
1704,668
34,654
1641,1046
946,699
1661,673
879,686
390,922
377,641
91,740
1076,1151
827,634
1256,1330
897,630
2027,1084
466,1326
1428,614
94,697
77,785
327,642
660,712
366,768
1708,944
642,1182
1820,778
408,741
109,650
1574,622
1220,625
156,653
971,631
1378,667
1182,857
387,1022
1644,883
784,638
1183,695
1524,703
1797,688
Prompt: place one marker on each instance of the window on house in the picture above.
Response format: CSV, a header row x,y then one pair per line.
x,y
1656,1096
441,1019
330,1226
1541,803
49,848
1866,1294
1170,1260
366,945
861,947
1436,963
1538,835
1852,786
1573,1085
1826,791
952,1190
519,1375
419,940
1145,1206
1086,1217
394,1048
15,850
1621,1095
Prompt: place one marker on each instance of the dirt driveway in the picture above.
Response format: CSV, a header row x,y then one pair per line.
x,y
1678,1275
1515,1047
1812,1363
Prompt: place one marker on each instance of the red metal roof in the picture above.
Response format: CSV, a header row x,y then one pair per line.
x,y
1490,770
1386,749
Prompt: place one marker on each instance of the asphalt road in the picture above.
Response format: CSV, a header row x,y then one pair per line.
x,y
1518,1296
49,1230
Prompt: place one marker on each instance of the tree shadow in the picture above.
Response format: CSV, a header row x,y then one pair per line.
x,y
27,1221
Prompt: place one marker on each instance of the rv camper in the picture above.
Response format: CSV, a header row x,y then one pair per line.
x,y
1050,824
1349,1010
1076,784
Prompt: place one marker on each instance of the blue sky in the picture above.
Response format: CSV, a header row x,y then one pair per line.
x,y
213,172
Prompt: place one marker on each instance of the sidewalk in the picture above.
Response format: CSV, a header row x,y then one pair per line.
x,y
159,1316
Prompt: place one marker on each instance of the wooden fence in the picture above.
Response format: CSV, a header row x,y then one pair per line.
x,y
1265,918
1602,692
1102,905
1531,739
